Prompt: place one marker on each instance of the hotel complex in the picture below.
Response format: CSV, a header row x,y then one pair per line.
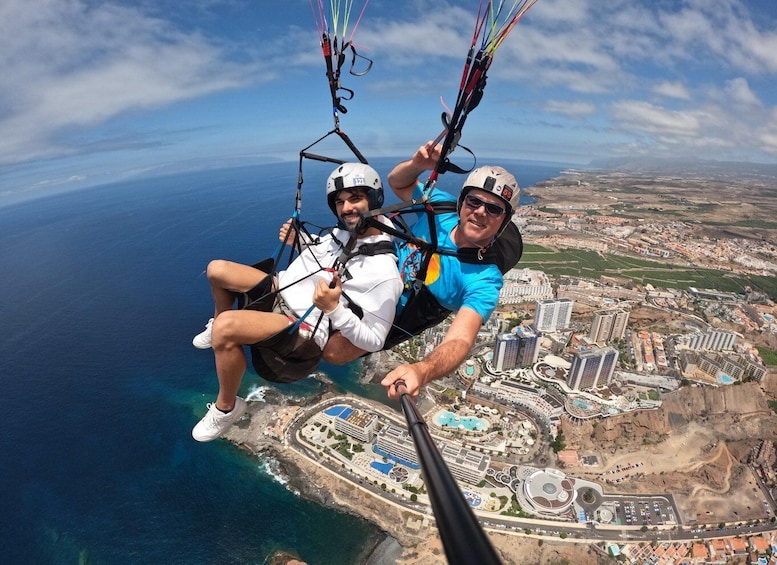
x,y
466,465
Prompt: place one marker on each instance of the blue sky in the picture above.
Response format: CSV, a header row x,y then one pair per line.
x,y
98,91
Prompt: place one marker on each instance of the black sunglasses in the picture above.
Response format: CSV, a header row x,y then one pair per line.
x,y
492,210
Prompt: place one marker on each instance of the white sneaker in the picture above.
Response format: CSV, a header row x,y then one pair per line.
x,y
217,422
202,340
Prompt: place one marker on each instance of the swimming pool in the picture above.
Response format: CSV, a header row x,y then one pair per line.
x,y
472,498
384,468
339,410
446,419
581,404
410,464
725,379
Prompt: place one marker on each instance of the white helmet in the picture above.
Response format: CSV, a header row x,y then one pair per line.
x,y
499,182
355,175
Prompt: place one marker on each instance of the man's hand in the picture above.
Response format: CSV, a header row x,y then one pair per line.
x,y
409,374
403,178
287,230
326,297
427,155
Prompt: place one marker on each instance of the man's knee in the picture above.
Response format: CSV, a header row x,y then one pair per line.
x,y
334,357
224,329
217,270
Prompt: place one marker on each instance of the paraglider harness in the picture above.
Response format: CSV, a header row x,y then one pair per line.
x,y
419,309
292,353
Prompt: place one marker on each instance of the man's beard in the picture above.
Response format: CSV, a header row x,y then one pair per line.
x,y
357,227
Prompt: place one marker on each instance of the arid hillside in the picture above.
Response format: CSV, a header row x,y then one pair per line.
x,y
696,447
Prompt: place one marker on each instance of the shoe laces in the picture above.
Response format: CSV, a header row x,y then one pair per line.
x,y
212,417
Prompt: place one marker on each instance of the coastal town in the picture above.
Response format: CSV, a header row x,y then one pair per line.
x,y
617,406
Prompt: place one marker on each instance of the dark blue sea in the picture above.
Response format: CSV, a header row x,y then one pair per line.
x,y
101,291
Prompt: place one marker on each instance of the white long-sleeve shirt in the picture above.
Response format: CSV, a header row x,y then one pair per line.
x,y
374,286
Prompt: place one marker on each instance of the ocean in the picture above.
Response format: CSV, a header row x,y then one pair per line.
x,y
102,290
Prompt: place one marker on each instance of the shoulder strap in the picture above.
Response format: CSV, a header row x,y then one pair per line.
x,y
505,252
377,248
367,249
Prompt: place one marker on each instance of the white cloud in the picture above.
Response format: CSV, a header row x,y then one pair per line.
x,y
672,90
419,38
647,118
571,109
767,136
68,65
554,11
721,32
738,92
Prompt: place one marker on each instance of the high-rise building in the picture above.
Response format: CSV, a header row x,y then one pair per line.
x,y
529,348
607,325
592,368
518,349
553,315
506,352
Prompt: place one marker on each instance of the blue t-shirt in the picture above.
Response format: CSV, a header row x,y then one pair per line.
x,y
453,283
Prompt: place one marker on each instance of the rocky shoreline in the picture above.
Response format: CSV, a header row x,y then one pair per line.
x,y
313,482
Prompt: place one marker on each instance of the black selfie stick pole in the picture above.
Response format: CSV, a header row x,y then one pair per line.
x,y
463,539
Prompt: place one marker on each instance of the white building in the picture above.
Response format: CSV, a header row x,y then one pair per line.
x,y
712,339
465,464
525,285
553,315
357,424
396,441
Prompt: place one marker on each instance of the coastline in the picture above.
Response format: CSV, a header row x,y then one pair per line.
x,y
315,482
409,537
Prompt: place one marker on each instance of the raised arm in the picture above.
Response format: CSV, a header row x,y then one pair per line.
x,y
403,178
444,359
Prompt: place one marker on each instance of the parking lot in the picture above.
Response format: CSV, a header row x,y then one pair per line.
x,y
654,511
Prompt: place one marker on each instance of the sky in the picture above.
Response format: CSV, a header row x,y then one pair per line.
x,y
96,91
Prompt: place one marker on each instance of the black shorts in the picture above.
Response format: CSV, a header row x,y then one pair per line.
x,y
285,357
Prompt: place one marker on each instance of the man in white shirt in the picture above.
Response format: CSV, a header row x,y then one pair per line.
x,y
341,282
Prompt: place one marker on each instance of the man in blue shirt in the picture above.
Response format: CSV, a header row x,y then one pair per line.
x,y
463,277
471,289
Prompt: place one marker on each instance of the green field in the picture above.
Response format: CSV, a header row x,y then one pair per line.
x,y
589,264
768,356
